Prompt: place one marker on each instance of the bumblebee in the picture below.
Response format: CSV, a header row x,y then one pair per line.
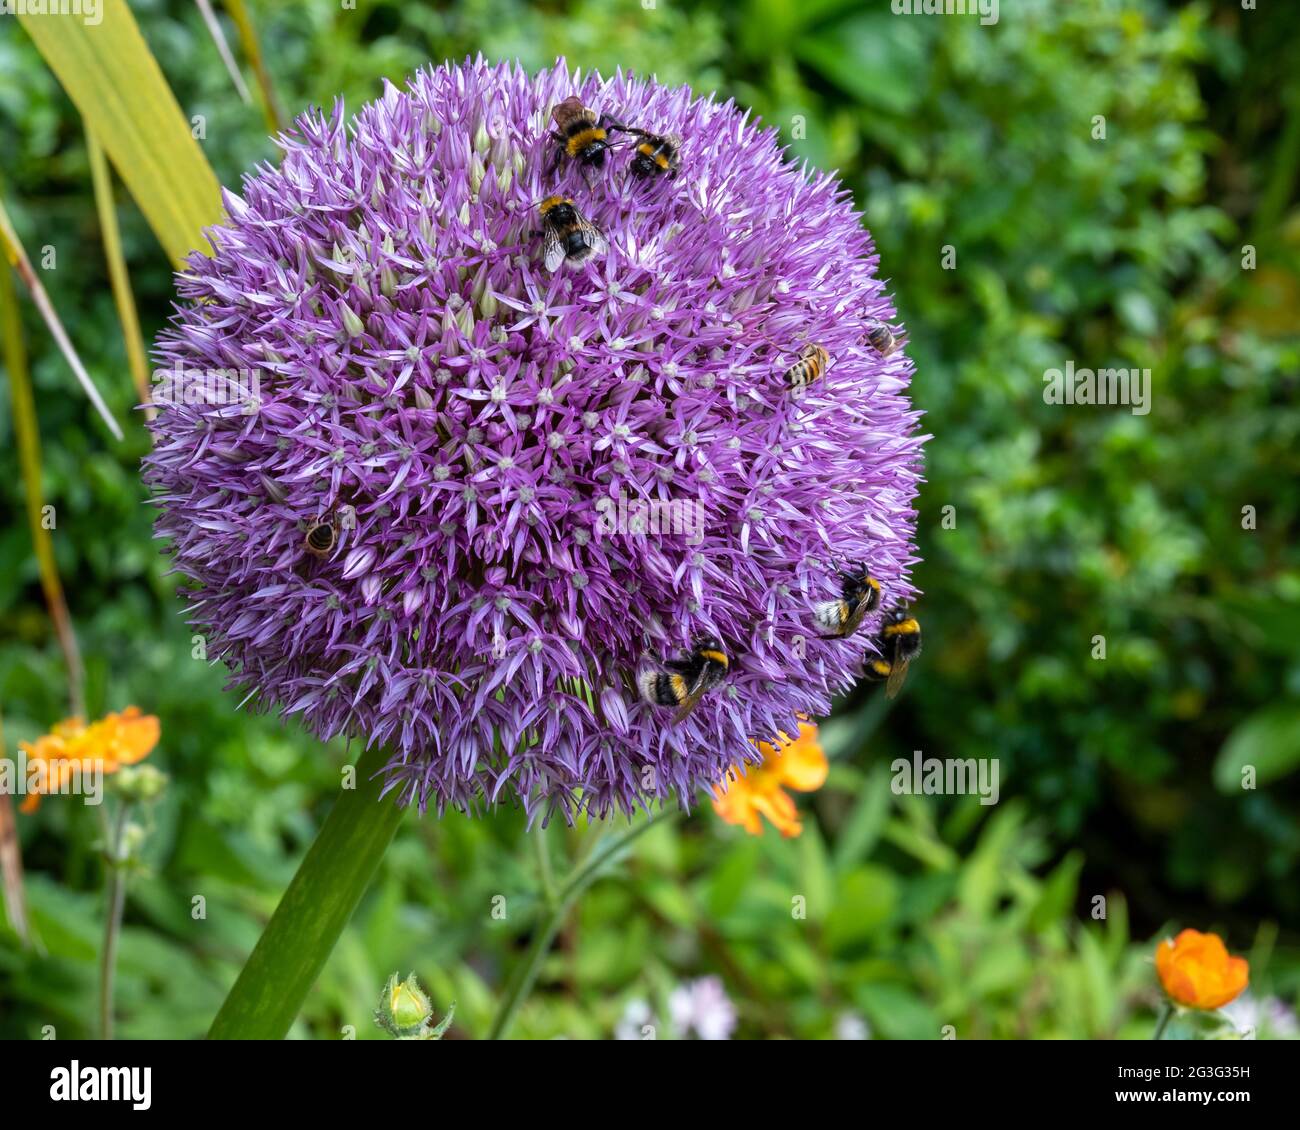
x,y
656,155
566,235
881,337
581,134
812,363
683,682
899,641
859,595
322,536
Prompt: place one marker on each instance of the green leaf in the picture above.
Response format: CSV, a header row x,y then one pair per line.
x,y
1058,893
921,844
115,82
315,908
898,1014
1269,740
815,872
732,876
1268,621
867,899
859,833
117,271
873,56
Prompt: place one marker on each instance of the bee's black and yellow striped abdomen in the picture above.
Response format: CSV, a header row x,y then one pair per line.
x,y
652,152
878,670
908,627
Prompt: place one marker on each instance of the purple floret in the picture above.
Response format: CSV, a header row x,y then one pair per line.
x,y
419,368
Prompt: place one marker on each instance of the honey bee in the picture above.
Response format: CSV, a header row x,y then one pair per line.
x,y
322,536
880,336
581,134
859,595
899,641
812,363
656,154
566,235
683,682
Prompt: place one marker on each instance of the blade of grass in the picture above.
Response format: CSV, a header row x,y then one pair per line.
x,y
119,279
29,460
115,82
223,49
253,52
17,257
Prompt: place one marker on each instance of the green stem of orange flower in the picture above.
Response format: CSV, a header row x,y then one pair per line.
x,y
115,851
1163,1022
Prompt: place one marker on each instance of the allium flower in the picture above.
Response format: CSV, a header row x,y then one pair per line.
x,y
796,763
470,428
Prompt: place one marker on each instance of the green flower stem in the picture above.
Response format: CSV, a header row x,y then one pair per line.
x,y
1161,1024
316,906
115,853
606,852
545,872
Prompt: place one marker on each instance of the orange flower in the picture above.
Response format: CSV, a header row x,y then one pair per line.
x,y
797,763
1197,972
73,748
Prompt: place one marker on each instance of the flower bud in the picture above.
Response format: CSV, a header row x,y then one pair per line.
x,y
406,1013
140,782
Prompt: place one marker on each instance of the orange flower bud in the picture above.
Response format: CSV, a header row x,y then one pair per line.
x,y
1197,971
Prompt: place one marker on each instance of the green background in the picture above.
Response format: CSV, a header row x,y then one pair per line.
x,y
1120,777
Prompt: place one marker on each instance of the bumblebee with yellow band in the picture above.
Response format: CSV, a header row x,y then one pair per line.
x,y
683,682
899,642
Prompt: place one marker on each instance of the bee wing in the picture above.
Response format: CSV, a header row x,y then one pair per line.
x,y
894,683
569,110
552,249
857,614
595,238
686,707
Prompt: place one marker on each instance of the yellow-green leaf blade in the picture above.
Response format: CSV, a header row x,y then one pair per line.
x,y
115,82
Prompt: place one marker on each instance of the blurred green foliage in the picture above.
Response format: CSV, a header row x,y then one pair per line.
x,y
1120,777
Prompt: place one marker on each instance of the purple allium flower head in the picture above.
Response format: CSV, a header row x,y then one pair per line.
x,y
485,437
